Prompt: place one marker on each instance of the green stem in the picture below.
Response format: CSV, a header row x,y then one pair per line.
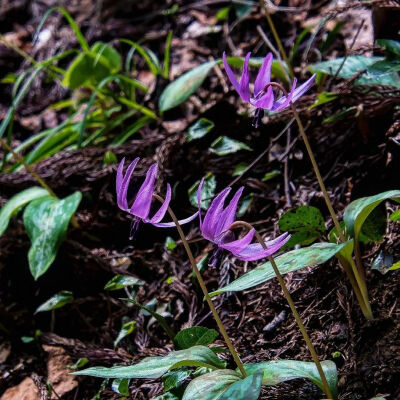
x,y
203,287
292,306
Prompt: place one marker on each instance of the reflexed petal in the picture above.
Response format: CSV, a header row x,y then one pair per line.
x,y
303,88
264,74
241,87
228,215
284,101
199,189
238,245
265,101
159,215
141,206
253,253
244,80
212,217
172,224
122,183
257,246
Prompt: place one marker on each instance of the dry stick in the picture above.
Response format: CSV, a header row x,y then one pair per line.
x,y
34,175
204,290
292,307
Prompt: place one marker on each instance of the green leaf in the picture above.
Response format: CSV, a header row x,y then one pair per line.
x,y
284,370
383,263
199,129
357,211
196,335
391,46
244,205
222,14
374,227
305,222
248,388
174,379
121,386
288,262
155,367
18,201
225,145
81,362
394,216
182,88
109,158
239,169
207,193
58,300
243,10
323,98
109,56
46,222
211,385
122,281
170,244
126,330
271,175
166,396
353,65
160,319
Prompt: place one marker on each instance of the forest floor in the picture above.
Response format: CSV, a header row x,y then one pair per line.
x,y
358,155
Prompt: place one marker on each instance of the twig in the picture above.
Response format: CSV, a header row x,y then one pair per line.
x,y
286,172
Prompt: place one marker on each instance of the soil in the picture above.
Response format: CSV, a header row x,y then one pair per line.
x,y
358,156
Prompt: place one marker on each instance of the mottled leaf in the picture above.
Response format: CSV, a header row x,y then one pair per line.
x,y
127,329
275,372
196,335
58,300
174,379
18,201
122,281
46,222
207,194
199,129
155,367
288,262
248,388
225,145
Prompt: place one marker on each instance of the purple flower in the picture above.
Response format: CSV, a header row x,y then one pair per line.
x,y
216,224
140,207
263,96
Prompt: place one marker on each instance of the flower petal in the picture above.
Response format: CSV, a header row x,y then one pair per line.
x,y
264,74
284,101
265,101
227,217
159,215
141,206
241,87
122,183
253,253
238,245
172,224
209,227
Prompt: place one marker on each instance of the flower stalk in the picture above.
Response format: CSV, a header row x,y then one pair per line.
x,y
203,287
292,306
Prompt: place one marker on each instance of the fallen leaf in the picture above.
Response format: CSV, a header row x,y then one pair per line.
x,y
26,390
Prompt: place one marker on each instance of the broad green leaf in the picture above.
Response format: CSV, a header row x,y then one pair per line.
x,y
18,201
323,98
159,318
121,386
127,329
166,396
122,281
304,222
225,145
353,65
182,88
374,227
174,379
222,13
155,367
244,205
207,193
196,335
391,46
248,388
357,211
199,129
395,216
239,169
284,370
211,385
109,56
46,222
288,262
56,301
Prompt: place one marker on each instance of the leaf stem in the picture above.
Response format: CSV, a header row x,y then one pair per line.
x,y
292,306
205,291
